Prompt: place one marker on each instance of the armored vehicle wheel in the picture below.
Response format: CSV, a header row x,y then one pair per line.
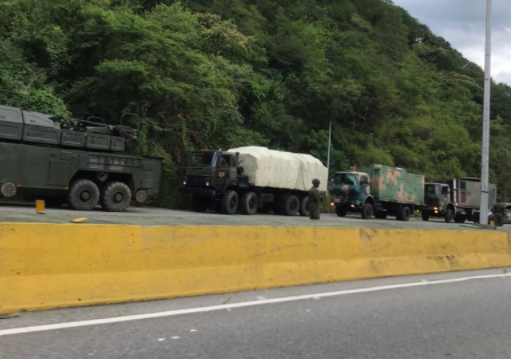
x,y
381,215
404,214
367,211
248,203
304,207
291,205
449,216
340,211
115,197
265,209
83,195
425,216
229,202
199,204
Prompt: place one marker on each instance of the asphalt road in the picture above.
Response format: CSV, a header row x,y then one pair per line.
x,y
158,216
457,315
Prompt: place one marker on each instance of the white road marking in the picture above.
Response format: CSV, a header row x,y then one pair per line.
x,y
128,318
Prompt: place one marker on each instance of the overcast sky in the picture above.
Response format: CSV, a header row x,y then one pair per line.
x,y
462,23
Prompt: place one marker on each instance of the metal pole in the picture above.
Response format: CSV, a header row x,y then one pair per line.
x,y
486,120
329,145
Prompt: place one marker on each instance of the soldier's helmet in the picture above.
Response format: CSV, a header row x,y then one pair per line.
x,y
315,182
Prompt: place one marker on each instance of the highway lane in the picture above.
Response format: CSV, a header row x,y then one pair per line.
x,y
454,315
159,216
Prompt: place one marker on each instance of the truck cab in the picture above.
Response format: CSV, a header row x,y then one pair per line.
x,y
437,200
349,192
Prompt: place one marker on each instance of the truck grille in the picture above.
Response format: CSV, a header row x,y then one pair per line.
x,y
196,181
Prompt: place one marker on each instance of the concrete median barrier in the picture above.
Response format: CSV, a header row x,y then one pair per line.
x,y
46,266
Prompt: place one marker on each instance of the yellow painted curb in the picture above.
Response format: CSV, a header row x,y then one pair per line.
x,y
61,265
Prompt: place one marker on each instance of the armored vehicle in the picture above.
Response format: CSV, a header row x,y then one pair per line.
x,y
251,179
455,200
75,161
377,190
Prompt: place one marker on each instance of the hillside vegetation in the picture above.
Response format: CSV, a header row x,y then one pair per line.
x,y
223,73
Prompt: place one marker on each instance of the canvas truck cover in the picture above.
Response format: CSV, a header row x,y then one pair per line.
x,y
392,184
276,169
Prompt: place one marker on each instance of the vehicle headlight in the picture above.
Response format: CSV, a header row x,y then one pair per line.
x,y
185,181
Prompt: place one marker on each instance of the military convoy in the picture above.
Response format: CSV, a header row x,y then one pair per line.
x,y
250,180
78,162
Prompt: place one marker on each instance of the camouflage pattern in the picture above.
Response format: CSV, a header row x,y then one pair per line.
x,y
437,199
314,198
384,184
468,193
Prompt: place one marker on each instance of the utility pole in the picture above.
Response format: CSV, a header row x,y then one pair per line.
x,y
483,217
329,145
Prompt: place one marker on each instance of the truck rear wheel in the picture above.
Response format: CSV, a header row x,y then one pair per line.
x,y
115,197
304,207
229,202
367,211
425,216
449,216
199,204
248,203
291,205
83,195
404,214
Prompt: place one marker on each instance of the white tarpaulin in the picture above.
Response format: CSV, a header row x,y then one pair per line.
x,y
276,169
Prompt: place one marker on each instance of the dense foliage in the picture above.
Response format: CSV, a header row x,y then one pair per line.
x,y
222,73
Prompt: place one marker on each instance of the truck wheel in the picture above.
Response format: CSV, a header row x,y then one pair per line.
x,y
449,216
425,216
199,204
248,203
115,197
367,211
340,211
381,215
404,214
304,207
229,202
291,205
460,219
83,195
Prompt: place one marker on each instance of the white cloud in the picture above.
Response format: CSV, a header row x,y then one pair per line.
x,y
462,23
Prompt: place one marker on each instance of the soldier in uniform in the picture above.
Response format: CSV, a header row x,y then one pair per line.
x,y
314,198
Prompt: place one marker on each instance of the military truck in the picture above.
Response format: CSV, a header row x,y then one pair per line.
x,y
377,190
455,200
79,162
251,179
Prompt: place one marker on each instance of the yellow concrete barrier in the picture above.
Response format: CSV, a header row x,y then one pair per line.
x,y
49,265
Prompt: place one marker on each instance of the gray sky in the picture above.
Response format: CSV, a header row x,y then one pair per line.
x,y
462,23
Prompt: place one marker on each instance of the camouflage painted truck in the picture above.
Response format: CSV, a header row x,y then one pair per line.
x,y
455,200
78,162
250,180
377,190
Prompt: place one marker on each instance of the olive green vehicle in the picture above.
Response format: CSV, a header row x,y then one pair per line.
x,y
377,190
70,161
455,200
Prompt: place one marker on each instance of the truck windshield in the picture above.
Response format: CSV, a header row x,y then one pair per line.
x,y
346,178
202,160
432,189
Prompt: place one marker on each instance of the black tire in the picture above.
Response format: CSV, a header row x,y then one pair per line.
x,y
83,195
460,219
340,211
367,211
229,202
291,205
425,216
248,203
115,197
405,214
304,207
449,216
381,215
267,208
199,204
